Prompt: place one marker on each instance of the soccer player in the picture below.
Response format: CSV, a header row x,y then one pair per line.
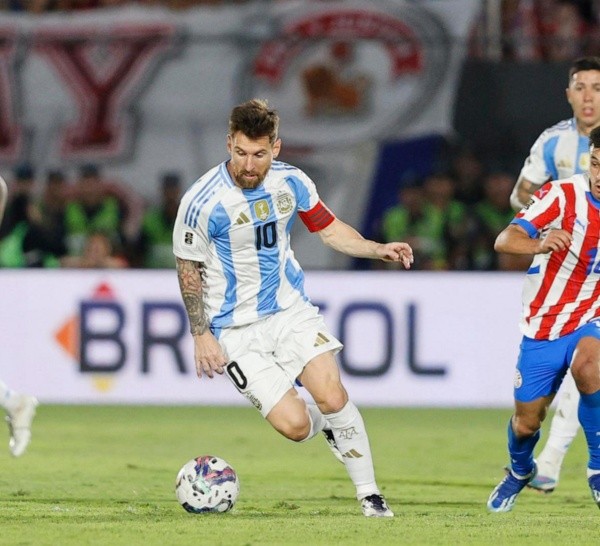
x,y
244,292
560,320
560,152
19,408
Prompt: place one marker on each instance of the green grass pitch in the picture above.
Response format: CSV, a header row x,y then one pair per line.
x,y
105,475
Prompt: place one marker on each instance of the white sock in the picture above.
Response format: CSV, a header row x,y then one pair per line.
x,y
351,438
563,428
317,421
8,398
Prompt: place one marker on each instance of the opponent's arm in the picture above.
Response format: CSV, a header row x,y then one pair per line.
x,y
344,238
208,355
3,197
522,192
515,240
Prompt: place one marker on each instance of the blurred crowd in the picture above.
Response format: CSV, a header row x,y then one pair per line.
x,y
452,217
86,221
49,6
534,30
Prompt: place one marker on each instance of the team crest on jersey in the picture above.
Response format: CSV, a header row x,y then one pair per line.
x,y
518,382
262,210
584,162
284,203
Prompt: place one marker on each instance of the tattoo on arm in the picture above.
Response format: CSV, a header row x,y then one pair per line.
x,y
189,274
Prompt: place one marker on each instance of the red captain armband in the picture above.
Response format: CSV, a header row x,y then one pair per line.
x,y
317,218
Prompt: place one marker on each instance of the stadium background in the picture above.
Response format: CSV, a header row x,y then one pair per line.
x,y
142,90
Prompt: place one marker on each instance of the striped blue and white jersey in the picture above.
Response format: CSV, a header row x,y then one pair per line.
x,y
243,239
559,152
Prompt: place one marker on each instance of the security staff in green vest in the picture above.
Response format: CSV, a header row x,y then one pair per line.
x,y
156,241
91,210
25,241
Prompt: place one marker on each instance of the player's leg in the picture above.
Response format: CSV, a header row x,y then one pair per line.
x,y
20,411
540,368
322,380
563,430
586,373
523,434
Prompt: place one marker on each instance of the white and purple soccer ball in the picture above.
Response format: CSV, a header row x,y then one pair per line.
x,y
207,484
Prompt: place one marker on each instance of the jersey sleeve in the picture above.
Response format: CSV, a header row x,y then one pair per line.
x,y
190,238
312,211
537,167
544,210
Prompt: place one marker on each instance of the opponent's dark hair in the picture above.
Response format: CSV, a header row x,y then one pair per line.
x,y
584,63
255,119
595,138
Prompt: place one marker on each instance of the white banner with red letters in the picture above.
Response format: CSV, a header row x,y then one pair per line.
x,y
411,338
141,91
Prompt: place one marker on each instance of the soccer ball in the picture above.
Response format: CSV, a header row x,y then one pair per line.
x,y
207,484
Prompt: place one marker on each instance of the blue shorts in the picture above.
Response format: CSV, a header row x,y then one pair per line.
x,y
542,364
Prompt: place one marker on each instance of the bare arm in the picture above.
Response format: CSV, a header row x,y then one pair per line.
x,y
3,197
345,239
515,240
208,355
522,193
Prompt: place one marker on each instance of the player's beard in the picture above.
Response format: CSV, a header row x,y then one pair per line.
x,y
249,183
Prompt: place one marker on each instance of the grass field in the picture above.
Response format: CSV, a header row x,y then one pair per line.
x,y
105,475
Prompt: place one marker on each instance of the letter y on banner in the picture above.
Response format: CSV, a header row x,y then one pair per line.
x,y
105,70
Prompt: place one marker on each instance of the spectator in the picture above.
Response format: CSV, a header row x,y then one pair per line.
x,y
467,171
53,208
100,204
25,241
448,219
156,241
414,220
98,253
491,215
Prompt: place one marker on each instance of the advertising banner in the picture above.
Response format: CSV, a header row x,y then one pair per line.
x,y
411,338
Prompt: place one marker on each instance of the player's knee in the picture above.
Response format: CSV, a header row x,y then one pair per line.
x,y
295,429
334,401
525,426
586,373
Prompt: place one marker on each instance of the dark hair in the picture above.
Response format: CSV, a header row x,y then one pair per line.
x,y
584,63
24,171
55,175
254,119
595,138
89,170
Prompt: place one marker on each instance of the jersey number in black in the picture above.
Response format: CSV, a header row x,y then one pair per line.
x,y
266,235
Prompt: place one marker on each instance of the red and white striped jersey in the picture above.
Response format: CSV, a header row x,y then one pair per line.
x,y
562,289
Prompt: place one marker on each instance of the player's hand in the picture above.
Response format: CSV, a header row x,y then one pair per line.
x,y
555,240
208,355
396,252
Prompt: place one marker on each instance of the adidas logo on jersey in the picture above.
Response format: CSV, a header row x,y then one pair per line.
x,y
242,219
321,340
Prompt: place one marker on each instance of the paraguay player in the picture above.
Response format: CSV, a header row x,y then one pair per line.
x,y
559,152
560,319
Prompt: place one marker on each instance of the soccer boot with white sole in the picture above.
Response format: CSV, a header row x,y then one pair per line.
x,y
594,482
504,495
542,482
19,424
374,506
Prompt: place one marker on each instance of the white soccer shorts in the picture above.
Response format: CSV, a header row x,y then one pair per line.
x,y
266,357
